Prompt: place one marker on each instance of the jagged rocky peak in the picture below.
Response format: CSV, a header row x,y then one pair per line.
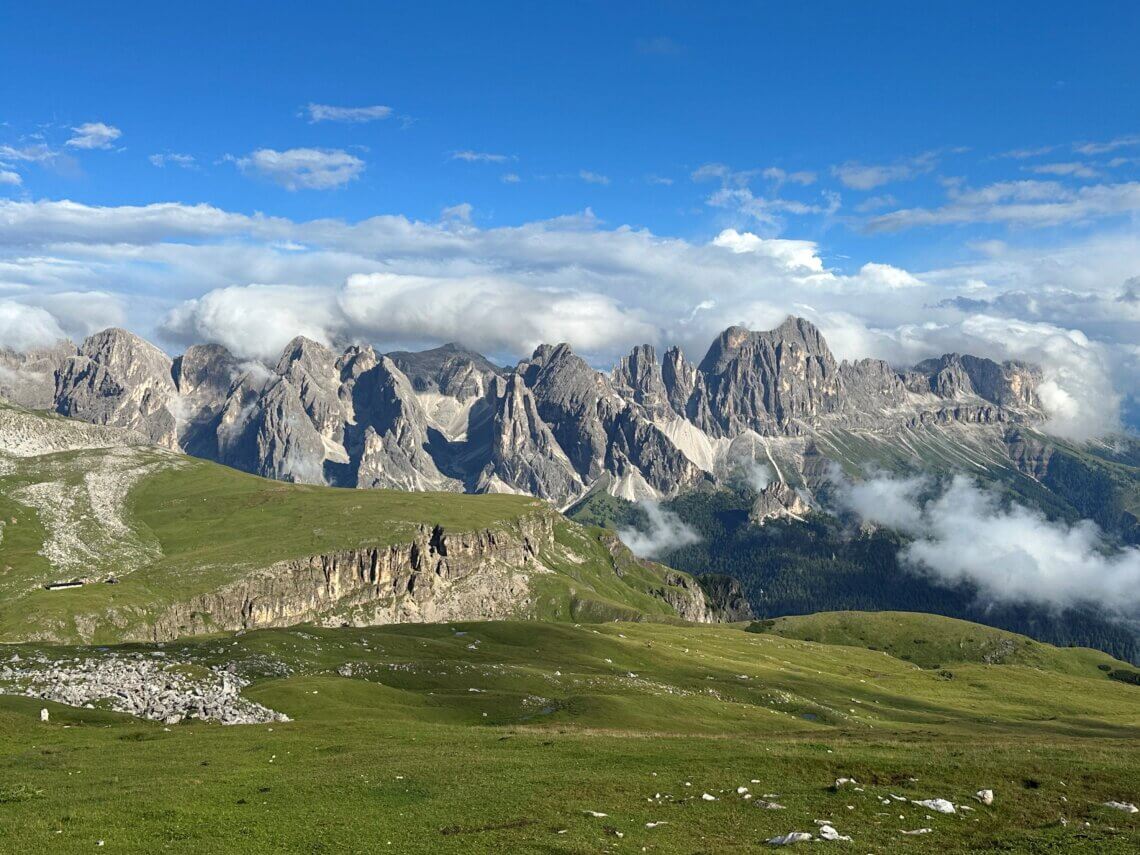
x,y
638,378
28,377
117,378
1007,384
680,378
450,369
767,381
390,440
523,454
205,370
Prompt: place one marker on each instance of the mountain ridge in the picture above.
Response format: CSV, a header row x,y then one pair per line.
x,y
552,426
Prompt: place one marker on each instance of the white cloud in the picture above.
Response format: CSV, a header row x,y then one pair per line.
x,y
479,157
659,180
779,176
1110,145
796,254
92,135
35,153
1073,169
571,279
665,531
23,326
510,178
1025,153
354,115
1011,553
593,177
255,321
861,176
875,203
12,178
304,168
186,161
1019,203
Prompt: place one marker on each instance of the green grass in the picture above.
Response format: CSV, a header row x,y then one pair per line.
x,y
403,752
931,641
199,527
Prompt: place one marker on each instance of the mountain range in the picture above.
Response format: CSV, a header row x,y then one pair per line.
x,y
551,426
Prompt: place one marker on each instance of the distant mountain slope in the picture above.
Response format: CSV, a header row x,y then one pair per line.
x,y
551,427
104,537
788,566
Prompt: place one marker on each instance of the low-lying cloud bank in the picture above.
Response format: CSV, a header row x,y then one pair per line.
x,y
666,531
190,273
1012,554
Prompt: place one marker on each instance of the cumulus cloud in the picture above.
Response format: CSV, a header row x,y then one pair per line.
x,y
405,283
354,115
303,168
664,532
23,327
1009,552
93,135
255,321
11,178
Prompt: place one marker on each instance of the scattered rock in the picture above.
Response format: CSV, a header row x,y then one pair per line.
x,y
1124,806
937,805
828,832
986,797
918,831
143,687
790,838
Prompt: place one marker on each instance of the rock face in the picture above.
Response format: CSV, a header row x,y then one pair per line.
x,y
552,427
778,501
118,379
435,576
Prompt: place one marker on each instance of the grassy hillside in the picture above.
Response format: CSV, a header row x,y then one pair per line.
x,y
492,737
167,528
930,641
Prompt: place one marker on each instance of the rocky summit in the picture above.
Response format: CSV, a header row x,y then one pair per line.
x,y
552,426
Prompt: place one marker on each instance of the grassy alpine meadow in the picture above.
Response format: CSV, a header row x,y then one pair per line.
x,y
625,737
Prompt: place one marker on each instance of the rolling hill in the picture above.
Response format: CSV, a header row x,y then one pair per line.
x,y
554,737
107,538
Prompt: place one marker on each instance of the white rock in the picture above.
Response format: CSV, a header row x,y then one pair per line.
x,y
919,831
937,805
1124,806
45,715
655,824
741,790
708,797
841,782
828,832
791,837
595,814
986,797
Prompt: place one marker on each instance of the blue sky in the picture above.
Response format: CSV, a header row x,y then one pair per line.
x,y
982,158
